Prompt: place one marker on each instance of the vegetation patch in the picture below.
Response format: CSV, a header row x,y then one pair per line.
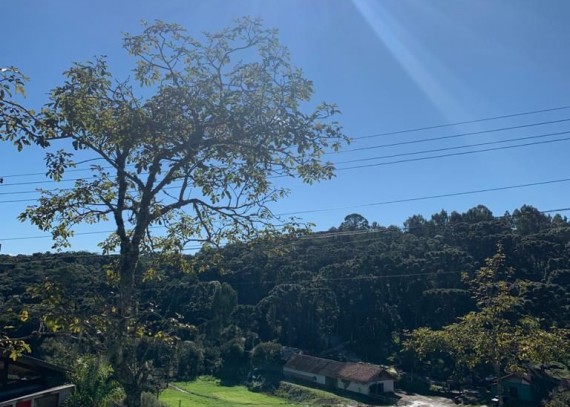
x,y
309,396
208,392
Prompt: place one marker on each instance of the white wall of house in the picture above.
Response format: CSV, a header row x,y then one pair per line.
x,y
364,388
310,377
388,385
354,387
360,388
62,391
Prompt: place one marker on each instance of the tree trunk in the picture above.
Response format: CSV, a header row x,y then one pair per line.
x,y
499,384
124,342
133,394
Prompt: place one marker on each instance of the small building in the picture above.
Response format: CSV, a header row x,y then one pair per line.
x,y
30,382
362,378
518,388
531,387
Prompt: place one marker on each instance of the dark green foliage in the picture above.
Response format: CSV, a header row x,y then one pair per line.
x,y
151,400
94,384
190,356
559,399
266,356
338,294
354,221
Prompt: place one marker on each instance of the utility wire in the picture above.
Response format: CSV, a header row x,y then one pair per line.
x,y
31,174
364,159
357,160
450,155
429,197
380,164
370,235
453,148
317,278
439,126
556,210
49,181
471,133
367,148
21,192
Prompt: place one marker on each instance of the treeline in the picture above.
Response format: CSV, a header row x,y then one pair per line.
x,y
349,293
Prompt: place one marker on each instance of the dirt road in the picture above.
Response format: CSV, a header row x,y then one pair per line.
x,y
414,400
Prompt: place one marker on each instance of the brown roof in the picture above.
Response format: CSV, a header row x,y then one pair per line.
x,y
356,372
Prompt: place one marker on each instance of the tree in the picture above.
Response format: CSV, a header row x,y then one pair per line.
x,y
528,220
196,155
496,335
94,384
18,124
354,221
416,225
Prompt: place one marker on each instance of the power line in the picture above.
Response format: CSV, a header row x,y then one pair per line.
x,y
439,126
556,210
423,198
43,182
371,236
316,278
394,162
453,148
98,232
471,133
31,174
357,138
367,159
452,154
429,197
19,192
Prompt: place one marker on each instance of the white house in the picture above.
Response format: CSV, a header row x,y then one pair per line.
x,y
362,378
30,382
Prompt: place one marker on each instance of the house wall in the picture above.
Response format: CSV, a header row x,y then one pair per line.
x,y
300,375
46,398
354,387
360,388
524,391
388,385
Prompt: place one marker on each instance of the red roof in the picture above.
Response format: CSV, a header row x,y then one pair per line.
x,y
355,372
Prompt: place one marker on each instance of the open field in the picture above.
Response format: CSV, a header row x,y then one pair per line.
x,y
206,392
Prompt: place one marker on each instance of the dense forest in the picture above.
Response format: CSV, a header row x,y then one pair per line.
x,y
350,293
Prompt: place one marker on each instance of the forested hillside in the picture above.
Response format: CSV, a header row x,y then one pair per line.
x,y
349,293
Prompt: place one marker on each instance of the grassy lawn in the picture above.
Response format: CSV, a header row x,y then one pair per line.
x,y
207,392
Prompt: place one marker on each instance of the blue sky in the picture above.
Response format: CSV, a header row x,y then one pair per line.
x,y
389,65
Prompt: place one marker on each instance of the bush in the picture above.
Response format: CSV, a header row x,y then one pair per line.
x,y
561,399
150,400
94,385
267,356
190,360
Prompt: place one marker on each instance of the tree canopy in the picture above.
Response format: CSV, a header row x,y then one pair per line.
x,y
334,294
497,334
192,151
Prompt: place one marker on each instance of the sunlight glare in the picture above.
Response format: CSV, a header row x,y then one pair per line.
x,y
421,66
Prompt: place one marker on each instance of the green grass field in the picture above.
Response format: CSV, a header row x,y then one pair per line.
x,y
206,392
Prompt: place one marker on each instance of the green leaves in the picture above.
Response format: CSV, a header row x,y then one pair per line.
x,y
14,348
17,124
496,335
94,384
190,152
